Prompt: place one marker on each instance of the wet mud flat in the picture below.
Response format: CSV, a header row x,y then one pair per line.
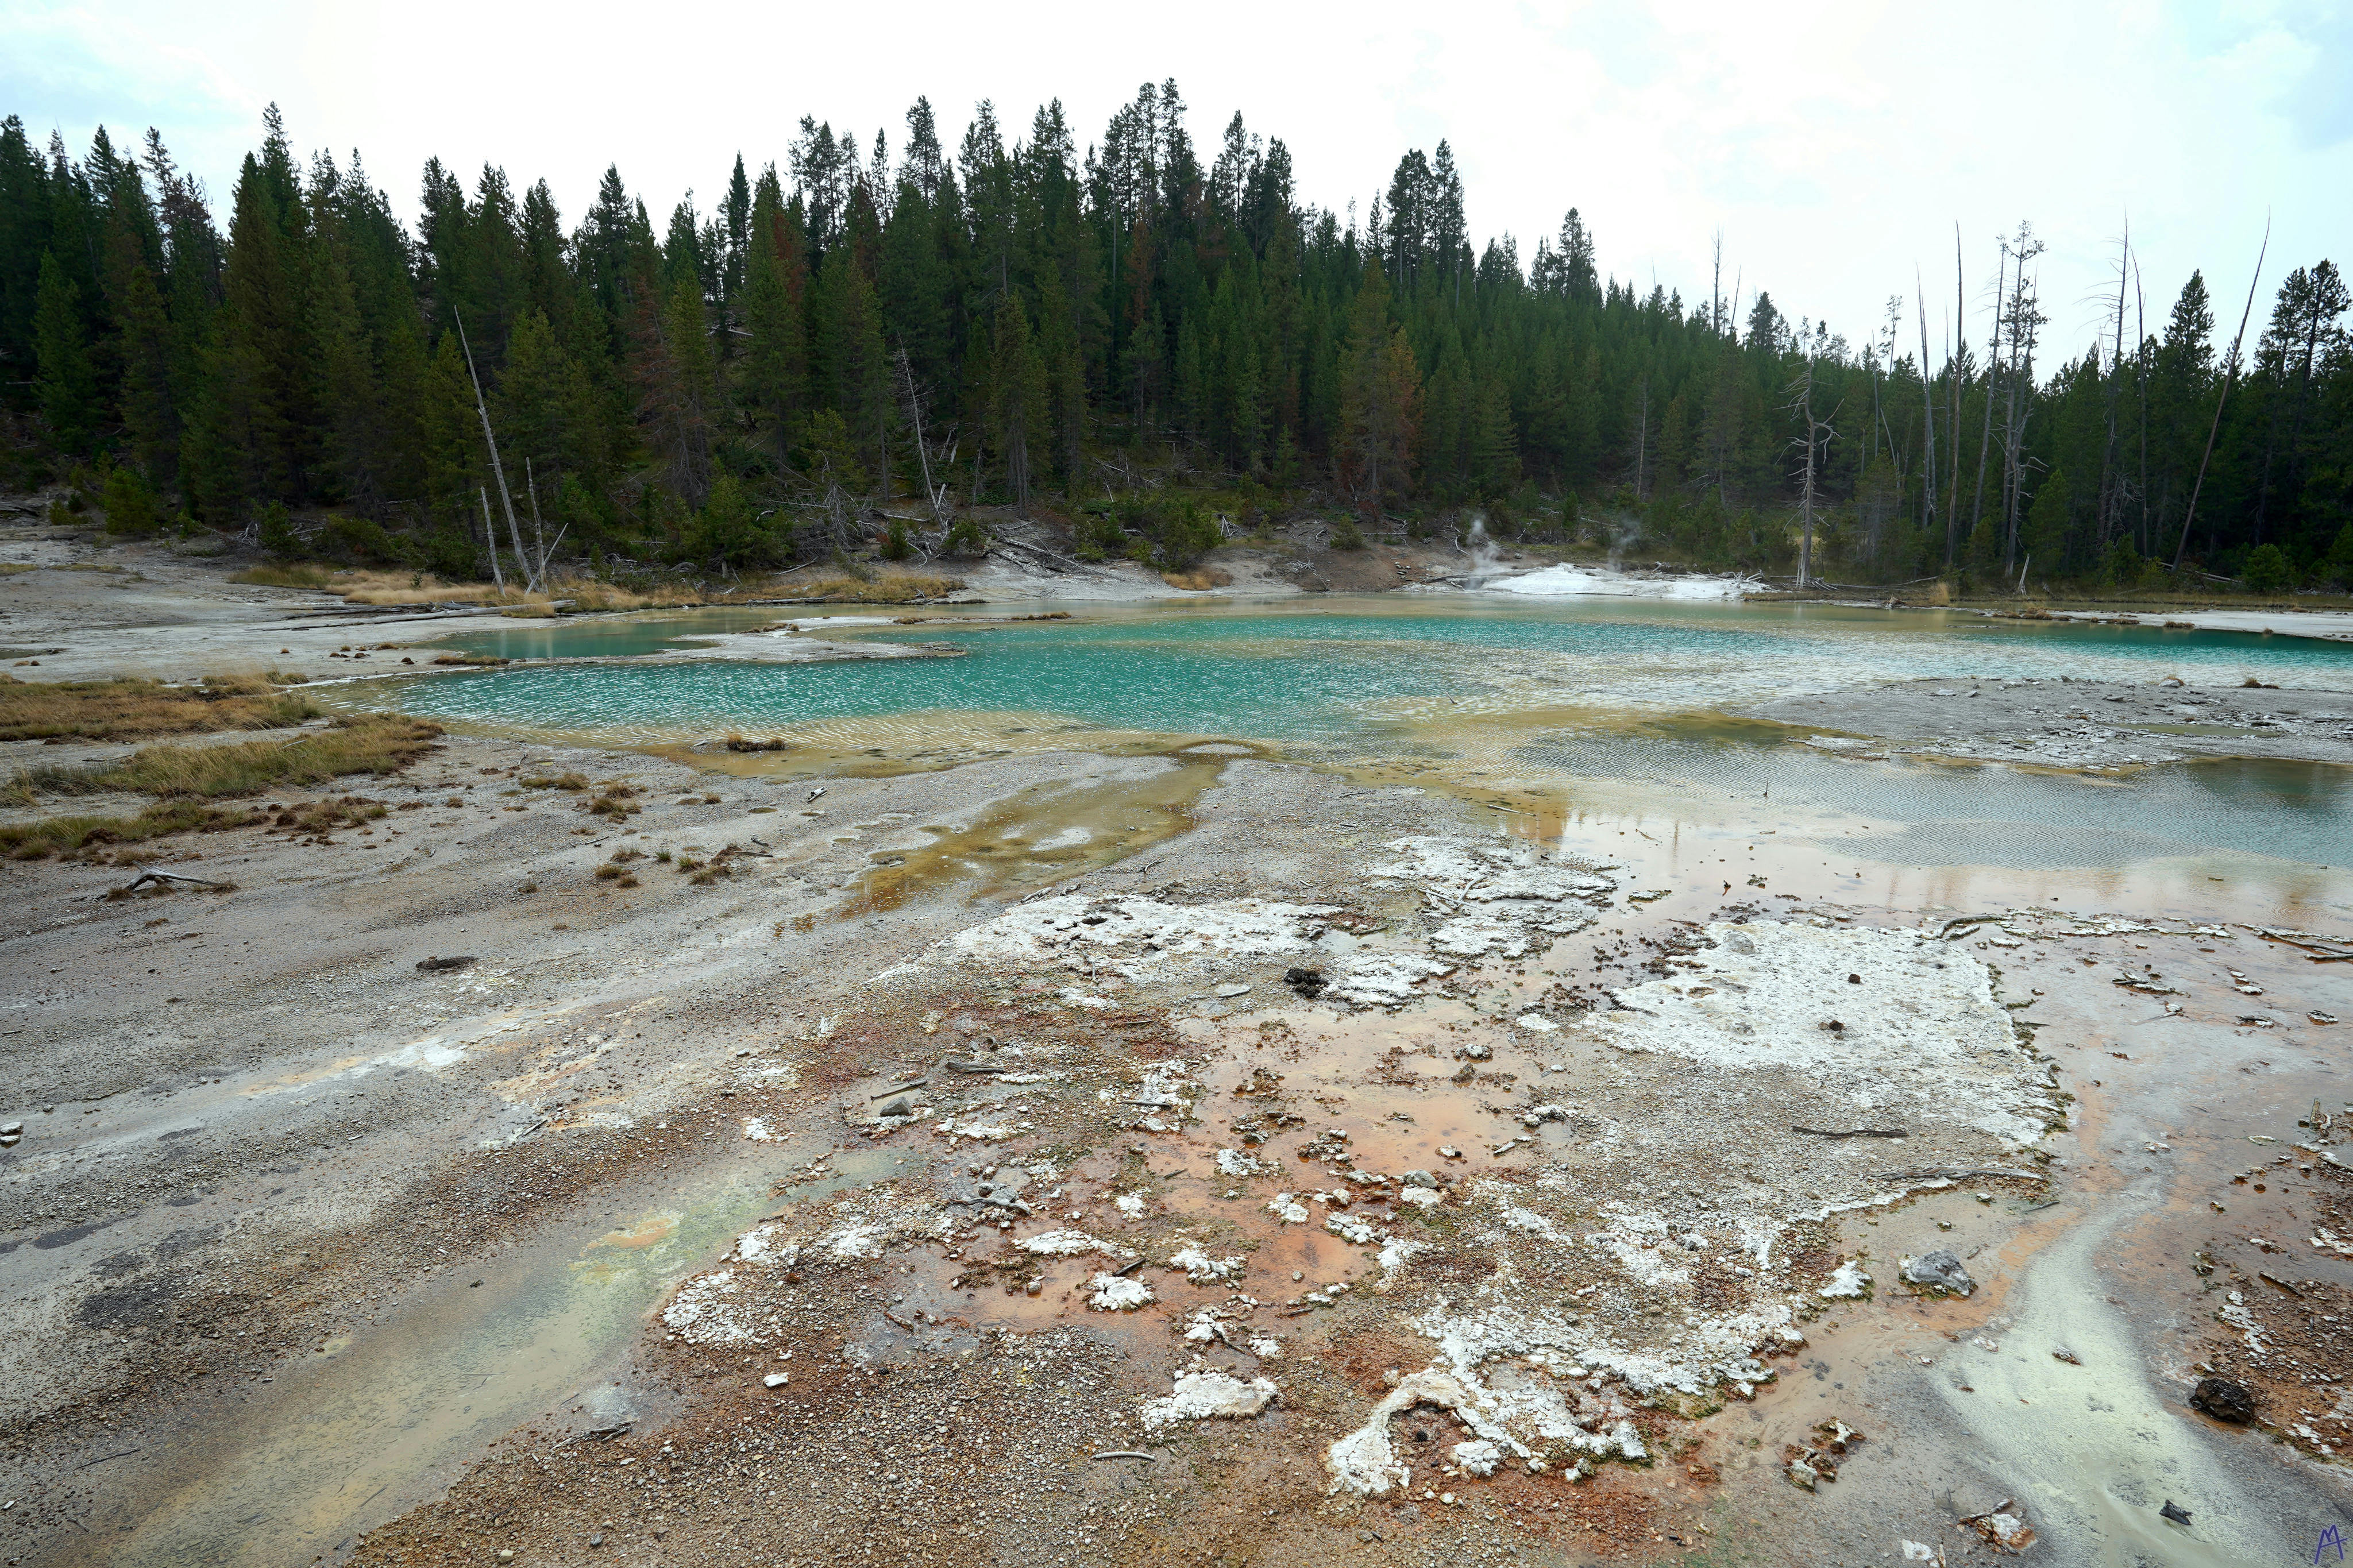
x,y
1189,1158
1342,1174
2075,723
1146,1282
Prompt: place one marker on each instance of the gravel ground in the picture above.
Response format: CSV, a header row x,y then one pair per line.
x,y
755,1203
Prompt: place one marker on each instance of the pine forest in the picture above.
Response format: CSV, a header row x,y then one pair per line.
x,y
886,344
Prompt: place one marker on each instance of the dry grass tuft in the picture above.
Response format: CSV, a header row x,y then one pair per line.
x,y
1199,579
133,710
274,576
69,835
185,777
372,743
586,593
885,588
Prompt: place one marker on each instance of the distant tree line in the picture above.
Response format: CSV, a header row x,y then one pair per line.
x,y
1008,324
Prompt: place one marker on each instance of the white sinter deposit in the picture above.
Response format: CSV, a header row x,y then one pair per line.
x,y
1601,583
1915,1040
1754,1044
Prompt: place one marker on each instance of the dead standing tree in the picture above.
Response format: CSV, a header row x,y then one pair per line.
x,y
497,470
934,496
2021,317
2230,379
1816,440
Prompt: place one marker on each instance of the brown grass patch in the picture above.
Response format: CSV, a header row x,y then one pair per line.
x,y
883,588
589,595
1198,580
371,743
82,834
133,710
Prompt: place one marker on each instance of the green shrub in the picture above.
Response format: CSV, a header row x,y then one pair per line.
x,y
1174,532
2336,566
2267,570
896,545
965,539
1100,537
278,535
360,539
129,504
1347,535
449,555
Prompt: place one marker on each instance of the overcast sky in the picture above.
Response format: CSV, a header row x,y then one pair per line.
x,y
1834,146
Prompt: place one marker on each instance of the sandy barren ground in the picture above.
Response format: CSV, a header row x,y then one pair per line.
x,y
1190,1158
2075,724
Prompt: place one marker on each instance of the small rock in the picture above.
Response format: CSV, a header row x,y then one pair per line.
x,y
1419,1179
1307,982
1110,1293
777,1379
2178,1515
1210,1396
597,1538
2060,1352
1938,1270
1233,990
2003,1526
1476,1053
2224,1400
1479,1457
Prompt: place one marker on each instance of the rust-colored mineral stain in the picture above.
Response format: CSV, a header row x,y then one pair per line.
x,y
1044,834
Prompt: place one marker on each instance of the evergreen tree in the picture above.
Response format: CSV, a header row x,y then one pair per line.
x,y
1017,403
262,367
1380,399
67,387
150,416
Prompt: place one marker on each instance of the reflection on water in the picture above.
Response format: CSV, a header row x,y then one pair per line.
x,y
1990,813
597,637
1471,694
1332,668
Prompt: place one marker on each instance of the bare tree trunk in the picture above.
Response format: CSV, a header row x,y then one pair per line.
x,y
1642,438
538,530
1961,334
923,448
498,469
1929,430
2141,375
489,528
1993,357
2230,377
2111,505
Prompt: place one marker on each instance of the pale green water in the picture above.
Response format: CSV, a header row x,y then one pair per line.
x,y
1575,690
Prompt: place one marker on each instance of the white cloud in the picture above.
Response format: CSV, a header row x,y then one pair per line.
x,y
1834,146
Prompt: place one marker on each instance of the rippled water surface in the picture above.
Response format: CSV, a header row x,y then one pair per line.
x,y
1479,690
1336,665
